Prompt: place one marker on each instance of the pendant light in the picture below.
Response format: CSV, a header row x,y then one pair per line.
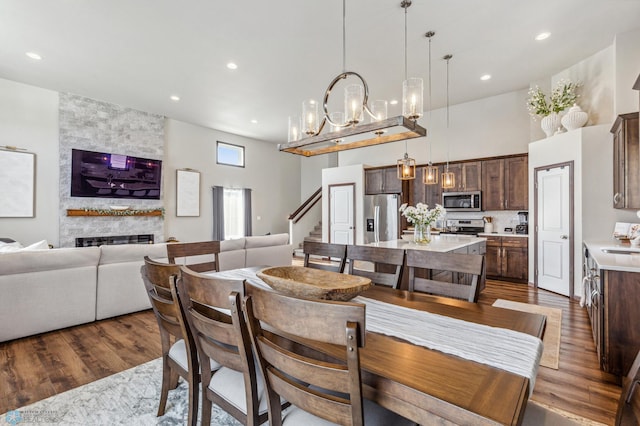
x,y
411,105
348,130
448,178
430,172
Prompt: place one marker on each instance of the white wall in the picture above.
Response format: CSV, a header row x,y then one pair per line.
x,y
347,174
627,68
498,125
590,150
29,120
273,176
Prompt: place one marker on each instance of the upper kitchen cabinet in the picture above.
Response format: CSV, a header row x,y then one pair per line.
x,y
505,184
428,194
382,181
626,162
468,176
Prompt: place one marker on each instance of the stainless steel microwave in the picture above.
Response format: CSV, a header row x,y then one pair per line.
x,y
462,201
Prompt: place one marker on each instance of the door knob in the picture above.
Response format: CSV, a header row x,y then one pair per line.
x,y
564,237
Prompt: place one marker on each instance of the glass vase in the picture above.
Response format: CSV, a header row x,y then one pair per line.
x,y
422,233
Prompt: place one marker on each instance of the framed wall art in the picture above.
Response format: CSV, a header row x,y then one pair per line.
x,y
187,192
17,183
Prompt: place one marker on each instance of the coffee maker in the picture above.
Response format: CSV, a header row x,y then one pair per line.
x,y
523,226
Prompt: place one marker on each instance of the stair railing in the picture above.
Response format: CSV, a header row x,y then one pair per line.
x,y
304,218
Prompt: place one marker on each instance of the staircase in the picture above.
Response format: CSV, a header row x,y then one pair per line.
x,y
314,235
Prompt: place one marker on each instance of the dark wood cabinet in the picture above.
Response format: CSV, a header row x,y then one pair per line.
x,y
626,162
428,194
468,176
382,181
505,183
507,258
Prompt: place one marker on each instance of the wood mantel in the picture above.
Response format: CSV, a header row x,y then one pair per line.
x,y
107,212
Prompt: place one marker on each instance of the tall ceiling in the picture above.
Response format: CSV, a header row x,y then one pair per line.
x,y
137,53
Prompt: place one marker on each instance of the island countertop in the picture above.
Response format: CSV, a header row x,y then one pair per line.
x,y
440,243
624,262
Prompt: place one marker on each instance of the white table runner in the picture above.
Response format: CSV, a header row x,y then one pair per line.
x,y
508,350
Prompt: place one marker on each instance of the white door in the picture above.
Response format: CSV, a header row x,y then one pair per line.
x,y
341,214
554,232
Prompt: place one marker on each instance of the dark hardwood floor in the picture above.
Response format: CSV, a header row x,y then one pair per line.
x,y
37,367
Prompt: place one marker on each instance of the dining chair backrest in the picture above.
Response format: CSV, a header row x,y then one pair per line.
x,y
629,404
212,309
204,255
464,270
383,265
179,354
324,387
334,255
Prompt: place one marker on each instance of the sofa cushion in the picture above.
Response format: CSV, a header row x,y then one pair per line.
x,y
45,260
230,245
132,253
120,289
266,240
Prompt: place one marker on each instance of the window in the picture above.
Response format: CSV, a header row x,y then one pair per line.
x,y
233,213
231,155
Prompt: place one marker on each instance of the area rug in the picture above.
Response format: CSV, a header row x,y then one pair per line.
x,y
551,353
127,398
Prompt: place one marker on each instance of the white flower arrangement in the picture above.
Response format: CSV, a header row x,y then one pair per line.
x,y
421,214
563,96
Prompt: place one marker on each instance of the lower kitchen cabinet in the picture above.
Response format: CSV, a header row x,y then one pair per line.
x,y
507,258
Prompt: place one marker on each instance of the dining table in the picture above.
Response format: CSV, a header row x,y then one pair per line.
x,y
430,383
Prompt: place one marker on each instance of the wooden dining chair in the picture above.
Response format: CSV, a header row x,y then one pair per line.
x,y
335,254
204,255
383,265
466,287
318,387
212,310
179,356
629,404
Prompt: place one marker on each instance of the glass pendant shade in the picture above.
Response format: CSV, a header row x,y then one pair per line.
x,y
379,111
310,117
430,175
337,119
295,131
406,168
448,179
412,98
353,100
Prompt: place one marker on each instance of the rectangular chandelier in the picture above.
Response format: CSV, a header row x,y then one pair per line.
x,y
379,132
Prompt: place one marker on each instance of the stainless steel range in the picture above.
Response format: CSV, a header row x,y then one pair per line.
x,y
464,226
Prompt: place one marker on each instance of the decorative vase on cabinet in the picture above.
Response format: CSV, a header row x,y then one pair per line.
x,y
550,124
575,118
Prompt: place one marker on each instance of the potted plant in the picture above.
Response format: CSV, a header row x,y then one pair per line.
x,y
562,96
422,217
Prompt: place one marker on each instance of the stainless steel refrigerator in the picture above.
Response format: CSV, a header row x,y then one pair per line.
x,y
381,217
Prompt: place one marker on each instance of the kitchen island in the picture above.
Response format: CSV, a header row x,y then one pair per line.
x,y
611,295
444,243
441,243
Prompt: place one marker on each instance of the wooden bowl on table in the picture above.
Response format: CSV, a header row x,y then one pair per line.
x,y
312,283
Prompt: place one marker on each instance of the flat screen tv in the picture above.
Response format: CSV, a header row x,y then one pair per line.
x,y
107,175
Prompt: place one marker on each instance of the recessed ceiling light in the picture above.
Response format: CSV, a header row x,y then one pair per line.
x,y
542,36
232,66
486,77
174,98
254,121
393,102
33,55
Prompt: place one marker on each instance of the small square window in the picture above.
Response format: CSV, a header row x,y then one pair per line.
x,y
231,155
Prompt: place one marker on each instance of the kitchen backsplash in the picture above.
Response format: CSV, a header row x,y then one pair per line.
x,y
501,218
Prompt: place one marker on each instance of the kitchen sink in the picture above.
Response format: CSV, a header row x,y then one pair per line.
x,y
621,250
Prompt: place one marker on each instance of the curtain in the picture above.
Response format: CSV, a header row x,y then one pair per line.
x,y
218,213
247,212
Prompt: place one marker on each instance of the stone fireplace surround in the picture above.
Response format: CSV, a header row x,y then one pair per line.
x,y
100,126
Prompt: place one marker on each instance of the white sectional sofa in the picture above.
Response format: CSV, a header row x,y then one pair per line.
x,y
45,290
